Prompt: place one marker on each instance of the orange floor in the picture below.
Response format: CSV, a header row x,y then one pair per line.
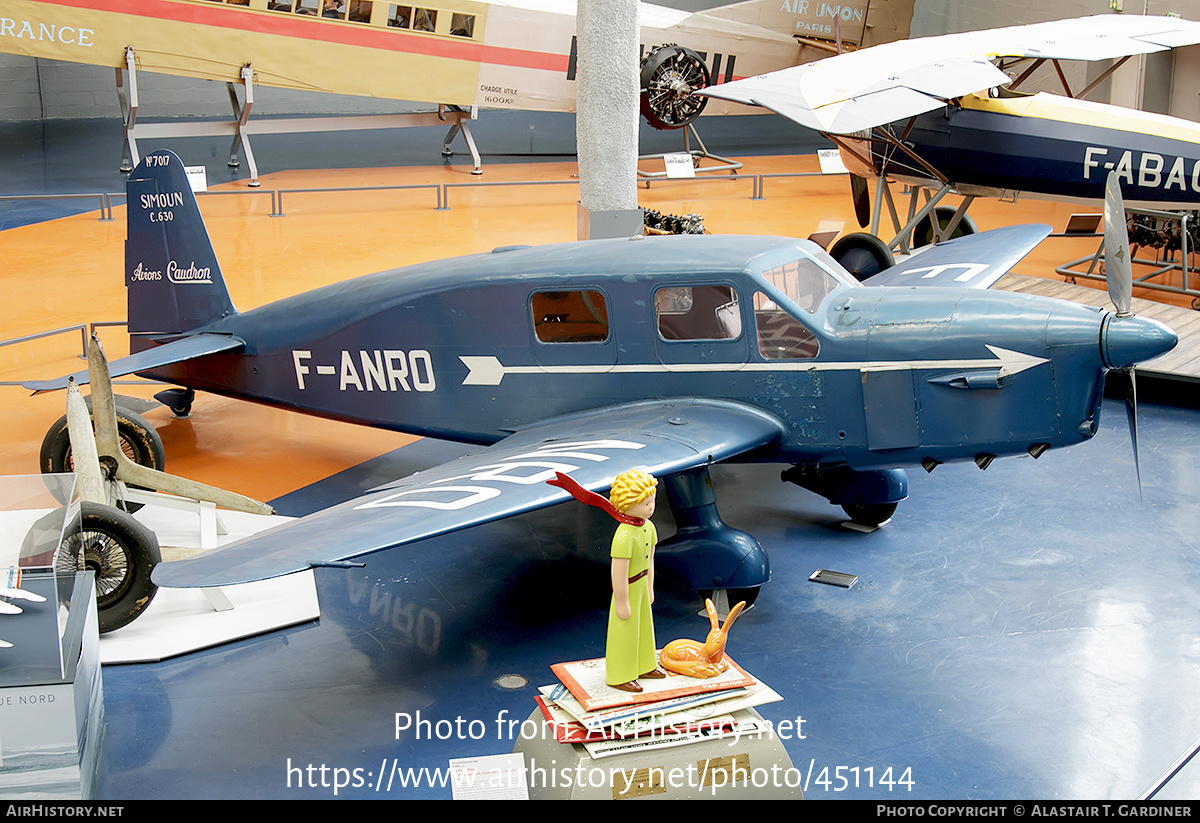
x,y
69,271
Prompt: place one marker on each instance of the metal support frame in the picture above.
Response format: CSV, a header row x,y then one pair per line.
x,y
1158,268
241,127
698,155
902,241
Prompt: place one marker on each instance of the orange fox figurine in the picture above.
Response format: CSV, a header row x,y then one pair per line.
x,y
697,660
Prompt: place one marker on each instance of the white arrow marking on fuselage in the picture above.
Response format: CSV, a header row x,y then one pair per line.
x,y
487,370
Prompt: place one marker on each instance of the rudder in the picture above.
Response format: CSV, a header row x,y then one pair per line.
x,y
173,281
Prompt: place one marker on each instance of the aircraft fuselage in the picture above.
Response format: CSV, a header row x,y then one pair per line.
x,y
1050,146
474,348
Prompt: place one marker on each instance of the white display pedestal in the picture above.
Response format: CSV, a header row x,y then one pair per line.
x,y
51,718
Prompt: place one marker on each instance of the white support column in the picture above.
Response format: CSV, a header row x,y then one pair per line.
x,y
606,124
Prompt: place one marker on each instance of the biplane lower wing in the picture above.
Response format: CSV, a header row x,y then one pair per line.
x,y
509,478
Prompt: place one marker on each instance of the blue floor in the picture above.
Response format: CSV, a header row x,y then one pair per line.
x,y
1025,632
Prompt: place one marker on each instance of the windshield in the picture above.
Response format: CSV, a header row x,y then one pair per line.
x,y
804,281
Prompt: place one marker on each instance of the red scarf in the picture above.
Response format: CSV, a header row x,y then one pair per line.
x,y
592,499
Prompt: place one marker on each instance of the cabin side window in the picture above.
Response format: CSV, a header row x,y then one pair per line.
x,y
399,17
569,316
697,313
781,336
462,25
412,17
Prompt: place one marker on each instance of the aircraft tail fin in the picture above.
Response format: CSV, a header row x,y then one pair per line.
x,y
172,277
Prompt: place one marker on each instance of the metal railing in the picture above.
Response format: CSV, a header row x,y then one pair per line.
x,y
441,190
85,332
105,199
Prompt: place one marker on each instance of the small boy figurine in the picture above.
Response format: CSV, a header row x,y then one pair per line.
x,y
630,652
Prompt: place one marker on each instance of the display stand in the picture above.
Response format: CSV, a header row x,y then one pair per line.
x,y
750,768
51,695
1175,235
241,127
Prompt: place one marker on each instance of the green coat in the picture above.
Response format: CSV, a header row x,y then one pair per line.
x,y
631,651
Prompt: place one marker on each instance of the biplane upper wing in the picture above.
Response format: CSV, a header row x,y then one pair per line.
x,y
662,437
860,90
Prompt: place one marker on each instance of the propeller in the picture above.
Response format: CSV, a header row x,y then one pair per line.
x,y
1118,272
1118,268
862,200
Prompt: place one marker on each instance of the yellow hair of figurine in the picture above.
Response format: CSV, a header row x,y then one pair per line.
x,y
631,488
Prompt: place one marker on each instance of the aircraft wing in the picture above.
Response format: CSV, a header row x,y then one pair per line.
x,y
860,90
973,261
662,437
186,348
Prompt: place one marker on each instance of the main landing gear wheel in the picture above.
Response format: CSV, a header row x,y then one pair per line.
x,y
121,552
870,514
923,232
670,74
863,255
138,439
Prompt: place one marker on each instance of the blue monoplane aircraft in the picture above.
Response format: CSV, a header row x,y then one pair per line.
x,y
590,358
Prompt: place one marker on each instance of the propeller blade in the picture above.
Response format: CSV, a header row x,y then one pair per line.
x,y
1131,414
862,200
1118,269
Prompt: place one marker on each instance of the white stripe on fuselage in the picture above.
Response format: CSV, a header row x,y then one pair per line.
x,y
487,370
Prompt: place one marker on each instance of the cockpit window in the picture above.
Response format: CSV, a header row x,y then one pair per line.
x,y
697,313
781,336
804,281
569,316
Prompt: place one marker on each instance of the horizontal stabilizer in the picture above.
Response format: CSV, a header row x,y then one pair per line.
x,y
975,261
662,437
187,348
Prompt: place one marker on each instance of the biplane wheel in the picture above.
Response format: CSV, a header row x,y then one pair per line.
x,y
863,255
670,74
923,232
138,440
121,552
869,514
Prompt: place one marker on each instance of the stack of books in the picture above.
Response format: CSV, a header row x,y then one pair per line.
x,y
673,711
